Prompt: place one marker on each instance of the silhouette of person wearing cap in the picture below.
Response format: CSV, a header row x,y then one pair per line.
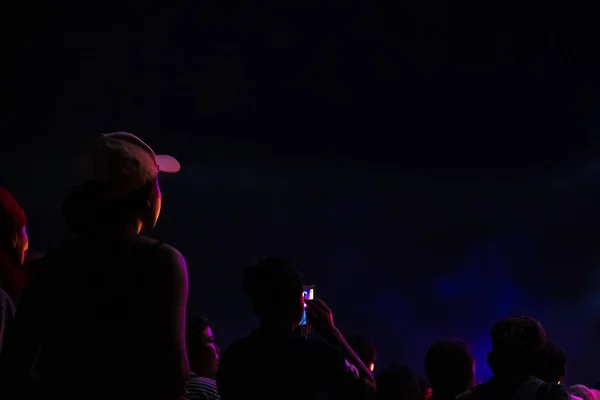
x,y
110,305
516,344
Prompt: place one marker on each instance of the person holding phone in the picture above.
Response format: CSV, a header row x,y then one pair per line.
x,y
275,361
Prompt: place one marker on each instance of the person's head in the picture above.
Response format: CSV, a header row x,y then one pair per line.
x,y
515,343
203,353
276,291
118,187
13,227
450,367
13,243
363,349
398,382
550,364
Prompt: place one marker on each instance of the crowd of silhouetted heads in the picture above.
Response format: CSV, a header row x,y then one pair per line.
x,y
103,316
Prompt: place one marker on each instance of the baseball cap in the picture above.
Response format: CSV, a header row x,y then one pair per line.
x,y
121,163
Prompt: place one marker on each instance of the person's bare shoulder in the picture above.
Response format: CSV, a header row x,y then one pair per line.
x,y
170,263
166,257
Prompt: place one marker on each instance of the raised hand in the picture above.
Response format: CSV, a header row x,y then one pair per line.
x,y
319,316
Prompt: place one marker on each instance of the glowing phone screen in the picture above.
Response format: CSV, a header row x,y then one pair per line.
x,y
309,294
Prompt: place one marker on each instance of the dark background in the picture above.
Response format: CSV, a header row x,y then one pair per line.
x,y
432,166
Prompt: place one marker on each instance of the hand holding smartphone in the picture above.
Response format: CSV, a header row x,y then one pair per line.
x,y
309,294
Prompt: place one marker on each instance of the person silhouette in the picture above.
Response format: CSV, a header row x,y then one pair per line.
x,y
84,313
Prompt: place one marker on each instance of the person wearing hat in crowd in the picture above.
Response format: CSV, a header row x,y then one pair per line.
x,y
13,247
105,316
516,343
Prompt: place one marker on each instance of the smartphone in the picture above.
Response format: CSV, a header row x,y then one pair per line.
x,y
309,294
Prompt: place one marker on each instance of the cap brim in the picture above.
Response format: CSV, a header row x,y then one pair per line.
x,y
167,164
